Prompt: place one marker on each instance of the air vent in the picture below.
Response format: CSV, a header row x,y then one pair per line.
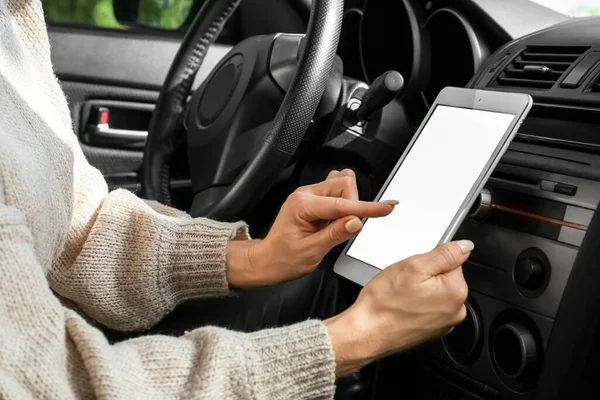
x,y
539,67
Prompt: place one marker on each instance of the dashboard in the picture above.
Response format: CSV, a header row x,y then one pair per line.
x,y
547,190
532,326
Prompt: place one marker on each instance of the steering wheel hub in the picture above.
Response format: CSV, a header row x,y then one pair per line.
x,y
219,90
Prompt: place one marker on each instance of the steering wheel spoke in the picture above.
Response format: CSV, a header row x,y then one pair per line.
x,y
220,162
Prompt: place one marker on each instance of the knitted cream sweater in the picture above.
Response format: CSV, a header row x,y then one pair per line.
x,y
122,261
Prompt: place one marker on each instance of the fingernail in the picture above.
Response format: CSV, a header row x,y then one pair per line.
x,y
354,225
466,246
390,202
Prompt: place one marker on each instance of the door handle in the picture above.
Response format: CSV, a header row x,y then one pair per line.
x,y
104,131
117,124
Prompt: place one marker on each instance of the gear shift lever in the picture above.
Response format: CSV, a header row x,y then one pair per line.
x,y
383,90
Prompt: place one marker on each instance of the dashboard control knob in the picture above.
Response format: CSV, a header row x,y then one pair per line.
x,y
383,90
531,272
514,350
465,336
482,206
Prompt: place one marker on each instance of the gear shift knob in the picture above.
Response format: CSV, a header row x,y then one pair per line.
x,y
383,90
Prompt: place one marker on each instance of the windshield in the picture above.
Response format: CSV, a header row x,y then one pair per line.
x,y
573,8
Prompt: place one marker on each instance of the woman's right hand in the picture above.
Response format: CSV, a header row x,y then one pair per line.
x,y
413,301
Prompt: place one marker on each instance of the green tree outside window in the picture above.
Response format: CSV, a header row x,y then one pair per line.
x,y
165,14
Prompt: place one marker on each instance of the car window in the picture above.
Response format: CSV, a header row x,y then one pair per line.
x,y
162,14
574,8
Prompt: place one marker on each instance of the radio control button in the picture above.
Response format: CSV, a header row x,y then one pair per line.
x,y
464,343
531,272
514,350
482,206
563,188
465,336
558,187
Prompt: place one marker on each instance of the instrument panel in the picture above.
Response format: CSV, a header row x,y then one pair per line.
x,y
457,51
432,46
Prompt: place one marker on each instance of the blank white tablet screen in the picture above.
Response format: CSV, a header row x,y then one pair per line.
x,y
431,184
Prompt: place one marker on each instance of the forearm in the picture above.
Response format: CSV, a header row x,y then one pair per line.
x,y
294,362
52,352
127,263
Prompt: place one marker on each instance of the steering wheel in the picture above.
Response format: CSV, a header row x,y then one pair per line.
x,y
246,121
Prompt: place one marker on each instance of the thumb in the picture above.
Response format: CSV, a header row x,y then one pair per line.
x,y
446,257
336,232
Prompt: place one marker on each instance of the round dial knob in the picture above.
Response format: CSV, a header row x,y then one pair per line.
x,y
463,342
514,349
531,272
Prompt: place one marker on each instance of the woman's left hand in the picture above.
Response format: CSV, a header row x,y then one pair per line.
x,y
312,221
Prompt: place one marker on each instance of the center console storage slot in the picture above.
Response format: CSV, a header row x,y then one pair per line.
x,y
538,216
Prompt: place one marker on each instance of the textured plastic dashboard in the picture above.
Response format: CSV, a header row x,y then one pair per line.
x,y
560,140
577,32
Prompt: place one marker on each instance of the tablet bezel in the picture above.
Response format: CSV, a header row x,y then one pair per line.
x,y
517,104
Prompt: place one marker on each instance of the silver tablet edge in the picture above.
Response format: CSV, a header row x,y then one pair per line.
x,y
360,272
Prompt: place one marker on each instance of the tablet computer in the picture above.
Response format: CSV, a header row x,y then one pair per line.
x,y
437,179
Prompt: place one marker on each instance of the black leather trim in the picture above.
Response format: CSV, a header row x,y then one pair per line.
x,y
166,130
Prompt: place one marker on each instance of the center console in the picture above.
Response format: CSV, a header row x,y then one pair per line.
x,y
531,222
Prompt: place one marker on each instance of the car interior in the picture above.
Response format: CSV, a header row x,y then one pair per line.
x,y
227,126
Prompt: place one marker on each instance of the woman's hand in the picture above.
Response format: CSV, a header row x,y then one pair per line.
x,y
312,221
408,303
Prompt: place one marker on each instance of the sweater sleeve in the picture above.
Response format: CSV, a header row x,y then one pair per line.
x,y
49,351
128,262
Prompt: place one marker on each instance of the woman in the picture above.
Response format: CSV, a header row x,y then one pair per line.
x,y
73,257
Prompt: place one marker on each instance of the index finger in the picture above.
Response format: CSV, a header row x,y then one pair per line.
x,y
332,208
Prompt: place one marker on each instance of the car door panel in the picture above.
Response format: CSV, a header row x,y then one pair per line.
x,y
109,161
108,65
131,60
103,66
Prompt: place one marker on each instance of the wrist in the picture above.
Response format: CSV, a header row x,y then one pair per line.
x,y
241,271
351,341
268,267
